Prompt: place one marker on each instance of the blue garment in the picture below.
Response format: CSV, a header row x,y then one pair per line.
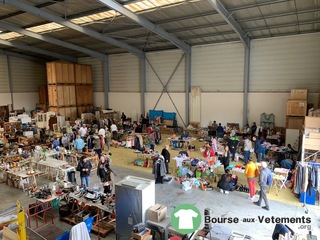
x,y
85,181
246,156
55,144
220,131
79,144
257,146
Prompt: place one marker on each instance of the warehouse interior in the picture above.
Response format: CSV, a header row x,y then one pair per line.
x,y
205,60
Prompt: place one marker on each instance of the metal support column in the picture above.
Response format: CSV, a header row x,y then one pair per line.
x,y
106,79
10,80
188,85
246,83
143,84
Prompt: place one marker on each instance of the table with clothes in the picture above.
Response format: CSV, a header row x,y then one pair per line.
x,y
180,143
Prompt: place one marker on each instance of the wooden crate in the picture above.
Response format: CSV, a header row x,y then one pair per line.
x,y
60,73
84,109
294,122
83,74
62,95
69,112
296,107
299,94
84,95
43,94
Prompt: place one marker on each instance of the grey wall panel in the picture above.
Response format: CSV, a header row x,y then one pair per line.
x,y
124,73
4,80
280,64
26,75
218,68
164,64
97,72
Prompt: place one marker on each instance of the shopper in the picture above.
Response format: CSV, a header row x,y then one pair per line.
x,y
220,131
97,145
108,139
227,182
233,145
257,148
104,173
114,131
166,154
252,172
225,159
84,167
78,144
83,131
263,183
247,149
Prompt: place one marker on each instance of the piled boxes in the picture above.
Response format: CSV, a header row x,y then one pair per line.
x,y
70,90
296,108
84,88
43,98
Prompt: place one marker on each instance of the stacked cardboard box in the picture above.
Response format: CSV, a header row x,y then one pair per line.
x,y
70,91
296,108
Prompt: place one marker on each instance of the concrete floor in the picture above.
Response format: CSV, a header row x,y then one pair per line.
x,y
235,204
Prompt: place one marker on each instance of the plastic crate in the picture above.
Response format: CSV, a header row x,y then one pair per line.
x,y
309,199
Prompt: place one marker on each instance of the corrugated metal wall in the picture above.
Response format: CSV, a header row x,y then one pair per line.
x,y
4,80
26,75
164,64
219,67
124,73
279,64
97,72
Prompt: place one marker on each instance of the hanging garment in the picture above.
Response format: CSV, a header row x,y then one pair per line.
x,y
79,232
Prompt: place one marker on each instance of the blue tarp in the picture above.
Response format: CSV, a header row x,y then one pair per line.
x,y
169,115
155,113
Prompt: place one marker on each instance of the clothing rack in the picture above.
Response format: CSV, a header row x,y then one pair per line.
x,y
313,164
303,158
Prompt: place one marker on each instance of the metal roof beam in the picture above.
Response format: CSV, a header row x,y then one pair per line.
x,y
45,38
68,24
38,50
21,12
224,13
147,24
20,55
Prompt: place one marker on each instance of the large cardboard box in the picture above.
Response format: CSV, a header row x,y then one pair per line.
x,y
300,94
157,213
295,122
297,107
312,122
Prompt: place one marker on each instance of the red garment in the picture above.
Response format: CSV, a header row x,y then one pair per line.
x,y
208,153
149,130
252,187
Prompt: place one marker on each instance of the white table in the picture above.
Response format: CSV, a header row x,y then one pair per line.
x,y
54,167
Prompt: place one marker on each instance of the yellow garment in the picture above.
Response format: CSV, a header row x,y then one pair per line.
x,y
250,169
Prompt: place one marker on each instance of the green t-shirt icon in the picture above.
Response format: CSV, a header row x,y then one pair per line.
x,y
185,218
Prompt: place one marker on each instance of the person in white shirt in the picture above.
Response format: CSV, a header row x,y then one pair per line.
x,y
247,149
114,131
83,132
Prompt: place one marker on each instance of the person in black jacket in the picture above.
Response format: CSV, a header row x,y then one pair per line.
x,y
227,183
84,167
166,154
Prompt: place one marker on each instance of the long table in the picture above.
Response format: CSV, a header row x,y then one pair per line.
x,y
21,177
55,168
